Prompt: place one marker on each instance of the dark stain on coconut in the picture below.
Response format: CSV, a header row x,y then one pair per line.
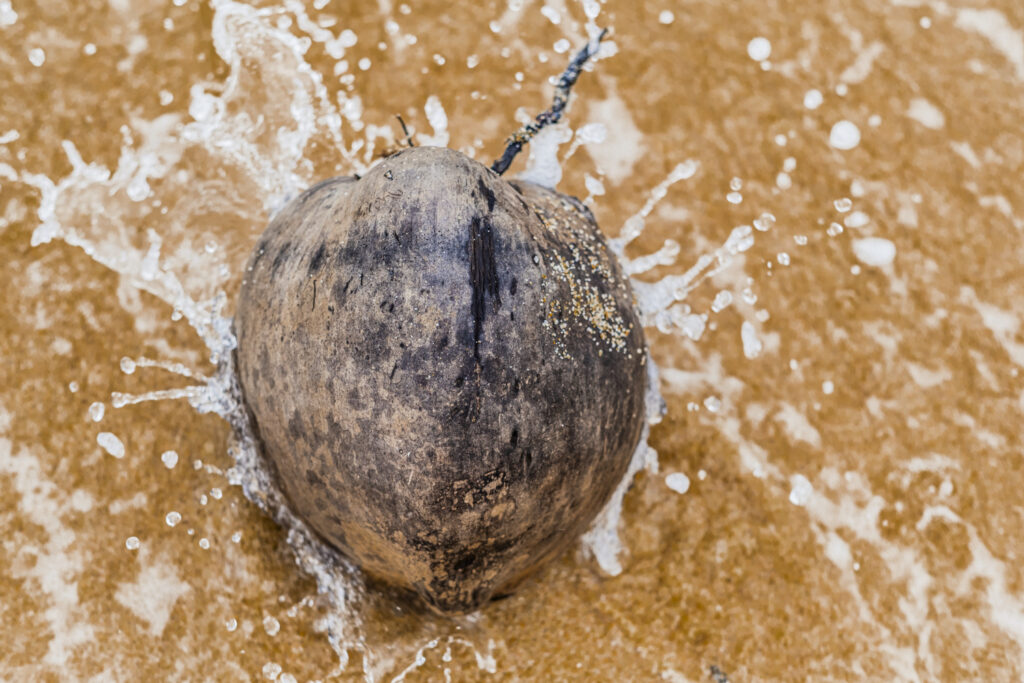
x,y
483,275
448,450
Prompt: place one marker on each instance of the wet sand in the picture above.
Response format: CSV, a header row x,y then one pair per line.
x,y
853,509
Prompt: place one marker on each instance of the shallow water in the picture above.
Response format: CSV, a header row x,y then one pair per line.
x,y
843,383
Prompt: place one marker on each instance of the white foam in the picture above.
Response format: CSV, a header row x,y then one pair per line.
x,y
926,113
993,25
153,594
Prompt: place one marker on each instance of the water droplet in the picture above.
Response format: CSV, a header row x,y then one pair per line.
x,y
783,181
759,49
834,229
844,135
271,670
169,459
216,493
740,239
800,239
666,17
364,64
736,184
172,518
231,624
271,625
734,197
96,411
236,537
764,222
36,56
132,543
827,387
721,301
111,444
813,99
678,482
783,258
713,403
843,205
204,543
874,251
127,365
748,296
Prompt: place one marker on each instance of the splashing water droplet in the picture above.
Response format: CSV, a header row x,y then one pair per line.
x,y
678,482
764,222
759,49
843,204
721,301
111,444
874,251
844,135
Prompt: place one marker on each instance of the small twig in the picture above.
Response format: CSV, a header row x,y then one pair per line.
x,y
408,138
514,145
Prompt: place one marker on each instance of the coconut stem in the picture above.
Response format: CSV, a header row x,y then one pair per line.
x,y
408,138
566,81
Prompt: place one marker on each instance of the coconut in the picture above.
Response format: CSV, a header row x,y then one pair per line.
x,y
445,368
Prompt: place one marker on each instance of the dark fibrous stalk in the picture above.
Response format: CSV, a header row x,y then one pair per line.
x,y
408,137
551,115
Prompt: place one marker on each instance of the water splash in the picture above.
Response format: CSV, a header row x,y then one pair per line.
x,y
265,155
